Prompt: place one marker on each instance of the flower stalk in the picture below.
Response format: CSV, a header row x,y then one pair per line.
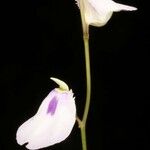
x,y
96,13
88,91
85,28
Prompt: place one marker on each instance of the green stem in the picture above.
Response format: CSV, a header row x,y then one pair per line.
x,y
85,27
88,92
88,79
83,138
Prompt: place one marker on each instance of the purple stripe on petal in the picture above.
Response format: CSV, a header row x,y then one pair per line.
x,y
52,106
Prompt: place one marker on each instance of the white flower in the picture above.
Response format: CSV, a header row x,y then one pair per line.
x,y
98,12
53,121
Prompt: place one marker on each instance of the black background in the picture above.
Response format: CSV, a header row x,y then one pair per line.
x,y
43,38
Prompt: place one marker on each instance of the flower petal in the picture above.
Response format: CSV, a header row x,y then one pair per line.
x,y
109,5
96,17
45,129
119,7
98,12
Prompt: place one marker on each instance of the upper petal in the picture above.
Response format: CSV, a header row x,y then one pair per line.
x,y
119,7
109,5
98,12
96,15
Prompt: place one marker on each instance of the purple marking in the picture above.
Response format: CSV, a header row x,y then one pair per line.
x,y
52,106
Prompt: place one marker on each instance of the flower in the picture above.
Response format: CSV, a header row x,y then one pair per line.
x,y
53,121
98,12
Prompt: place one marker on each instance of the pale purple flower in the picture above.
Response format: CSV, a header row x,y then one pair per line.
x,y
53,121
98,12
